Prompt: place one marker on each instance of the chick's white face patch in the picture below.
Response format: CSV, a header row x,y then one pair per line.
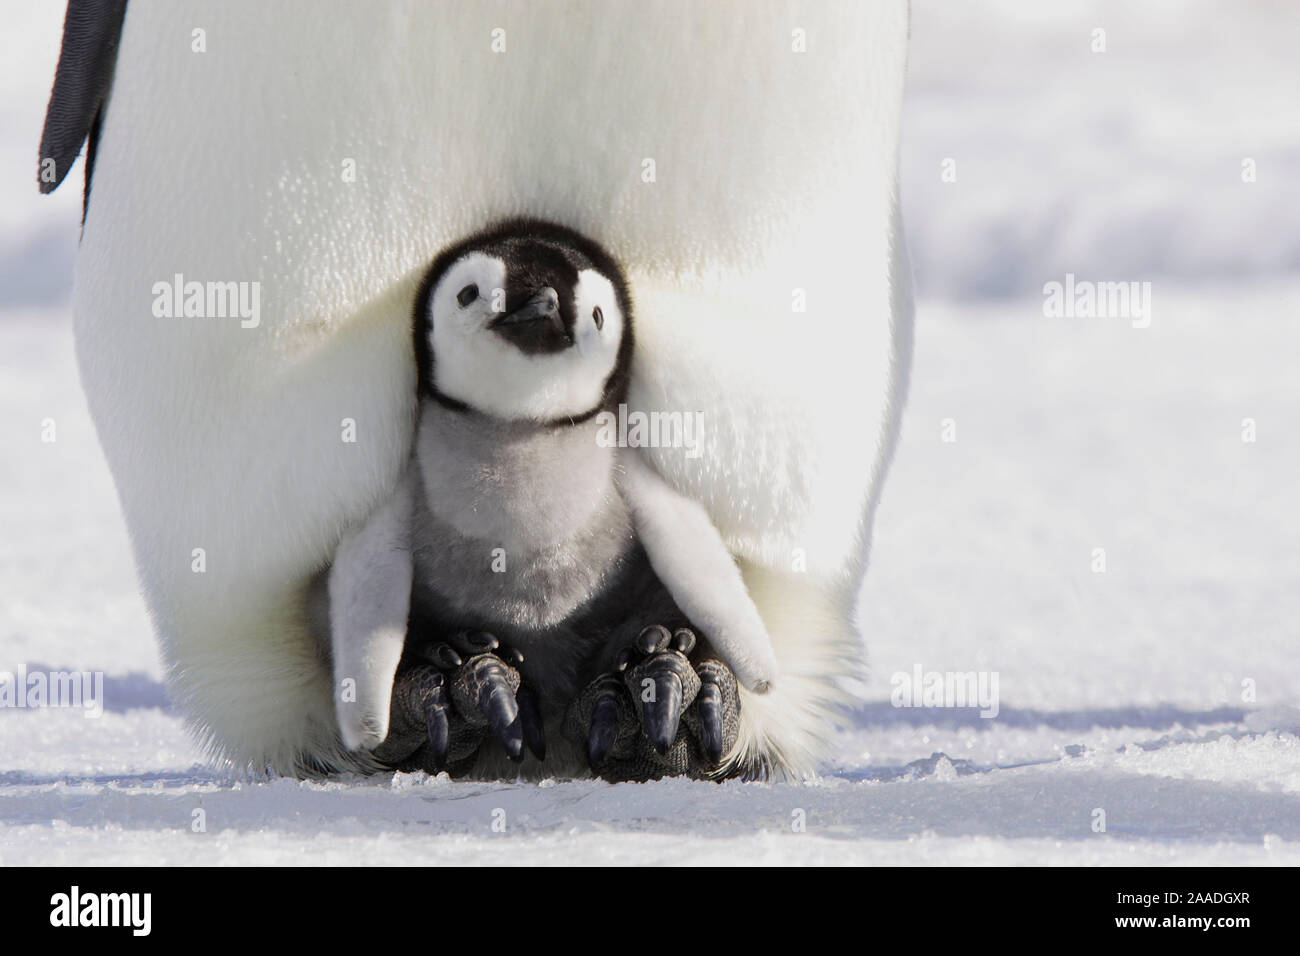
x,y
475,365
597,335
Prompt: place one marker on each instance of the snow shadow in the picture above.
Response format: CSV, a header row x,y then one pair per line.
x,y
134,690
1159,717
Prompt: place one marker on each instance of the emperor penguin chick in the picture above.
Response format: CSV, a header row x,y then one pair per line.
x,y
528,583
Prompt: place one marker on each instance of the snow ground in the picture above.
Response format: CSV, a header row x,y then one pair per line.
x,y
1125,164
1120,691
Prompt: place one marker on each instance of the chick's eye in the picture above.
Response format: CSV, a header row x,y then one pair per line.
x,y
598,317
467,295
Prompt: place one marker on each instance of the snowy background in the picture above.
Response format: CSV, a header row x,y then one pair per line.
x,y
1120,690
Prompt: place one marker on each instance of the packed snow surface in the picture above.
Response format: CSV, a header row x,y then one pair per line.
x,y
1127,691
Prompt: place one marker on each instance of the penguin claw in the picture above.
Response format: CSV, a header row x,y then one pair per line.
x,y
480,641
484,690
653,638
503,716
530,715
421,719
604,720
656,714
665,684
450,699
436,711
715,718
662,717
442,655
708,703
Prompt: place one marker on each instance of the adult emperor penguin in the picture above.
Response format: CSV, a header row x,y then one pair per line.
x,y
740,160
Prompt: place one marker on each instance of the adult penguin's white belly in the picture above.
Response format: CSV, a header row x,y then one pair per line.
x,y
739,159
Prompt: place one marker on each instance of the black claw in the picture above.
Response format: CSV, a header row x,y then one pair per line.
x,y
624,659
436,709
421,707
483,691
531,717
708,705
445,656
661,715
653,638
604,724
511,655
684,640
503,717
480,642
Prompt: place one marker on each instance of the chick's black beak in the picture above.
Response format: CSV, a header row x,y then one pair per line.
x,y
543,306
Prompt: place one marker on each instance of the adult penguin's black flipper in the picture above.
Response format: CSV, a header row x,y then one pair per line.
x,y
91,31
